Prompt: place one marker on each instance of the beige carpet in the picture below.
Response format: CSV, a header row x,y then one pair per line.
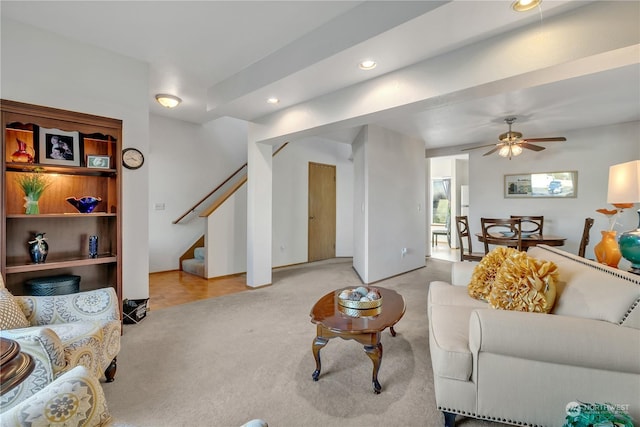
x,y
224,361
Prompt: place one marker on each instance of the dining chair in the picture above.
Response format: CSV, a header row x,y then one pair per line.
x,y
531,224
584,242
501,231
462,226
446,231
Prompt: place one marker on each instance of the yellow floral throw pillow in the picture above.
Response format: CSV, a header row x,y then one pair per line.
x,y
485,272
524,283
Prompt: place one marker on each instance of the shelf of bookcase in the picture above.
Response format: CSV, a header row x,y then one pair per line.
x,y
61,263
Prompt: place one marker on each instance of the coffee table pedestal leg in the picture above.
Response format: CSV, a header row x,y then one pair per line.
x,y
318,343
375,354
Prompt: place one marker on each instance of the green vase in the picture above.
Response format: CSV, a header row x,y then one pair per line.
x,y
31,206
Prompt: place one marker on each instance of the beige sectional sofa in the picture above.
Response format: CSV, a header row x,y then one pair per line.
x,y
524,368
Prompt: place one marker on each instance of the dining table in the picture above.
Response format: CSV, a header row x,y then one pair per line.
x,y
527,240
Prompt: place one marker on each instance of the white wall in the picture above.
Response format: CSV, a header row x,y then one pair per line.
x,y
588,151
360,202
395,203
290,198
226,237
46,69
186,161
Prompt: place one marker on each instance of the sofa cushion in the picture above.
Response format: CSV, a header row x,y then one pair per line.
x,y
442,293
11,315
524,283
592,291
486,271
450,332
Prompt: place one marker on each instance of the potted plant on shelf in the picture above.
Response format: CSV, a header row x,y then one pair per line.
x,y
33,185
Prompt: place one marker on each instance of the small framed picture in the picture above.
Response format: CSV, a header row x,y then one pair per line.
x,y
98,162
58,147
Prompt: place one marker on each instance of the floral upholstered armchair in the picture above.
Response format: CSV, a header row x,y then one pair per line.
x,y
74,399
61,332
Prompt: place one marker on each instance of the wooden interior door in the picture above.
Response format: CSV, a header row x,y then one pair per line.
x,y
322,211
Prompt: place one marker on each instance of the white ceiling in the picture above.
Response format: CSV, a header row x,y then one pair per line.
x,y
224,58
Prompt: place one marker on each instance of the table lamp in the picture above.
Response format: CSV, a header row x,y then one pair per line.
x,y
624,187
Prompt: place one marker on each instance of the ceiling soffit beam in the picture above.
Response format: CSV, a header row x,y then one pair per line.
x,y
356,26
537,54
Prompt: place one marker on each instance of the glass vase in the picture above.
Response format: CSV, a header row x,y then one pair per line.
x,y
607,250
31,205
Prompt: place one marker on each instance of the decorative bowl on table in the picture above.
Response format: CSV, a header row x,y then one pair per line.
x,y
84,204
357,312
360,298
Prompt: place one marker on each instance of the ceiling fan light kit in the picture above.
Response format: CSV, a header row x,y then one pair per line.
x,y
511,143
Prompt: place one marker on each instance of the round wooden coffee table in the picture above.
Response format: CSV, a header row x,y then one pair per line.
x,y
364,326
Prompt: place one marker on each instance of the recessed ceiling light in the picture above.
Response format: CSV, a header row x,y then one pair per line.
x,y
524,5
273,100
168,101
368,64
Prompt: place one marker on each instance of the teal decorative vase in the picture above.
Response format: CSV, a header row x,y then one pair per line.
x,y
629,243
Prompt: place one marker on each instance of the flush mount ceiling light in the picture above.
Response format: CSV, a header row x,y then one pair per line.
x,y
524,5
272,100
368,64
168,101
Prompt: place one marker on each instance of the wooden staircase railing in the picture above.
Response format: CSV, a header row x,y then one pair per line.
x,y
228,193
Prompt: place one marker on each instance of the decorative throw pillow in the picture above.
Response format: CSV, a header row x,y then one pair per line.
x,y
485,272
524,283
11,317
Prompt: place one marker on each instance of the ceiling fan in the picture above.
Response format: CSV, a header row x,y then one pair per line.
x,y
511,143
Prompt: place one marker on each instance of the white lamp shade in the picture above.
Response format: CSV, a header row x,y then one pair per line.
x,y
624,183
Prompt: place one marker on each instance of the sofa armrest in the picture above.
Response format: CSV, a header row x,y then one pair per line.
x,y
556,339
52,403
461,272
99,304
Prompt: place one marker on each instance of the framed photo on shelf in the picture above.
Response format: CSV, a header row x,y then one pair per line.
x,y
58,147
98,161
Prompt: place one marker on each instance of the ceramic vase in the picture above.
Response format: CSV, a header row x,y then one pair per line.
x,y
38,248
21,155
607,250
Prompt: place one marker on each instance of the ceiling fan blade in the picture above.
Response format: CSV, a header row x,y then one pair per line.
x,y
491,151
551,139
479,146
531,146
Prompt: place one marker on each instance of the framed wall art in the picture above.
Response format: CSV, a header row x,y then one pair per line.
x,y
58,147
98,161
542,184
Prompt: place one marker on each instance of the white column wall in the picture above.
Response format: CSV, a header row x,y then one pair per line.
x,y
43,68
259,213
395,203
226,237
360,206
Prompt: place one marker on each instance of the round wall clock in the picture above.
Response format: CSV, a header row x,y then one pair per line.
x,y
132,158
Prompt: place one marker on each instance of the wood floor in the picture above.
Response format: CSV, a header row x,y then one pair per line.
x,y
171,288
176,287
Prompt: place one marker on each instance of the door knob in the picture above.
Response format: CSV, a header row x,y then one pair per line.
x,y
312,217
